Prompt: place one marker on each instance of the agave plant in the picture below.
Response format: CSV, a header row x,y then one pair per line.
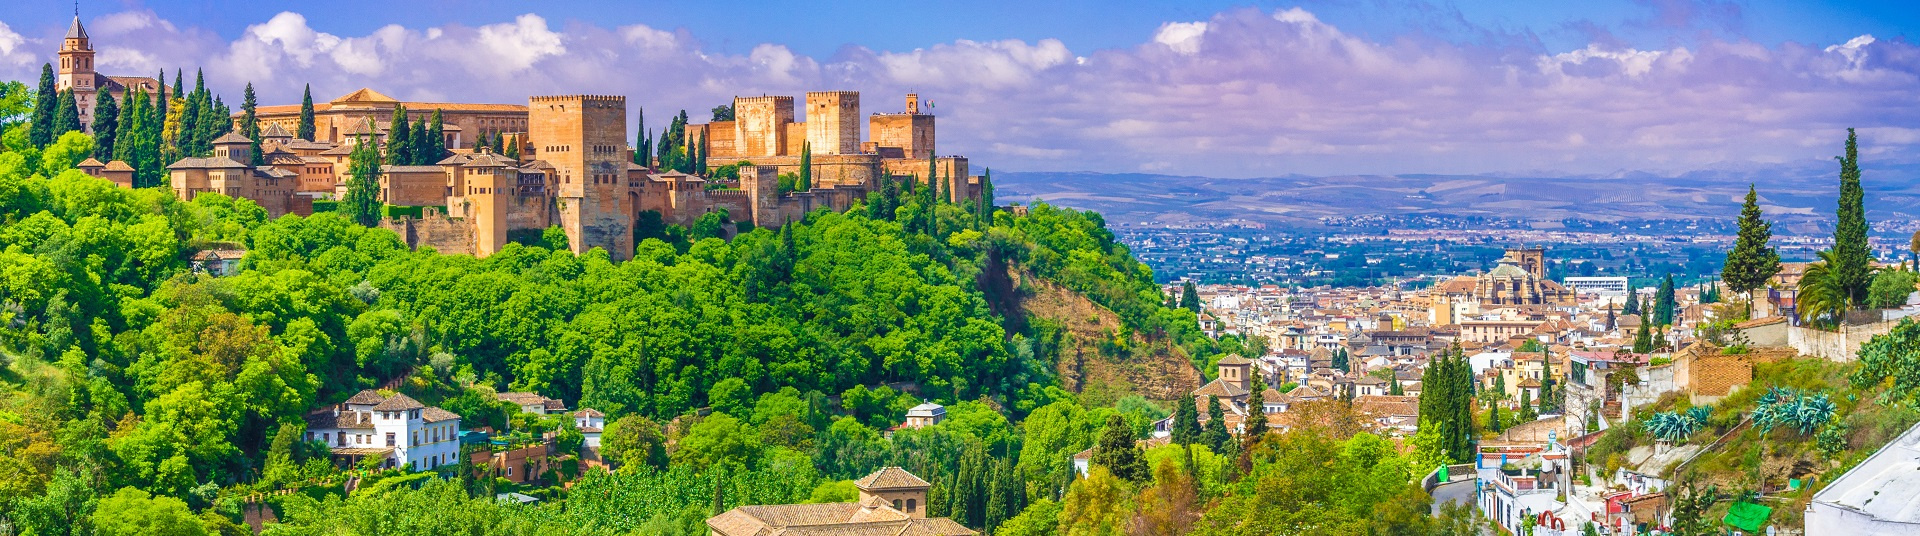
x,y
1672,426
1813,412
1700,413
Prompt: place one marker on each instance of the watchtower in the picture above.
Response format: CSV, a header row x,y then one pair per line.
x,y
833,122
584,137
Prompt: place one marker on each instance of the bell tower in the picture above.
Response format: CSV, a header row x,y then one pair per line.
x,y
76,69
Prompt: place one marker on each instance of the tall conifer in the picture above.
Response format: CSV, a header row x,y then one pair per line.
x,y
1852,256
399,147
66,117
250,123
46,102
106,120
305,130
1752,261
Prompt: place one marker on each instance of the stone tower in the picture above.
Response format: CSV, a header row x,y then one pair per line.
x,y
895,488
76,71
489,180
833,122
584,137
911,132
1237,371
760,125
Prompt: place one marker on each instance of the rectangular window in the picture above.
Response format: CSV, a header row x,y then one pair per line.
x,y
390,439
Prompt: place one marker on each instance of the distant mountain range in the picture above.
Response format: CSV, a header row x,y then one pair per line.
x,y
1796,198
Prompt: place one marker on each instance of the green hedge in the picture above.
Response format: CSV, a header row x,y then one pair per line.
x,y
394,211
325,205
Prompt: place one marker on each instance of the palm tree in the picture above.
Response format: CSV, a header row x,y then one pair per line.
x,y
1821,300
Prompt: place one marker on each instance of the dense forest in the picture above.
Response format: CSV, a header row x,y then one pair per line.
x,y
736,365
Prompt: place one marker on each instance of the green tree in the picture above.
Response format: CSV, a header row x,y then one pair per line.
x,y
1189,297
250,123
1853,257
1257,410
1186,421
1891,287
1752,261
1664,303
1643,340
132,512
362,203
305,130
1340,360
1633,303
437,139
106,120
634,440
1215,434
45,102
399,142
718,440
423,145
66,117
1117,452
806,168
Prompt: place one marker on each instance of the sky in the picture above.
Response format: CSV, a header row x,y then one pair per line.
x,y
1197,87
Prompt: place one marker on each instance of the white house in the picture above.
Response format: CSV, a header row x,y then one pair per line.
x,y
923,415
590,422
534,403
1879,496
397,429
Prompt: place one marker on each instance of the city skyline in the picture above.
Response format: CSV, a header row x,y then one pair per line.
x,y
1207,89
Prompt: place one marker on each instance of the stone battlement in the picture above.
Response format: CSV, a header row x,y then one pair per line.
x,y
621,99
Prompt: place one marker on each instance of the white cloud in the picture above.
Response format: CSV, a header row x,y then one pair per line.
x,y
517,45
12,47
1182,37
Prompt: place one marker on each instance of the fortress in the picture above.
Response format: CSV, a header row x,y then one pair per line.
x,y
573,169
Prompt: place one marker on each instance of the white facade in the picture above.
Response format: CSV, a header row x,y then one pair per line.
x,y
591,423
1601,286
399,429
1879,496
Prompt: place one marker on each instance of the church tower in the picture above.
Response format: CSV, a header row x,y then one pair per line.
x,y
76,70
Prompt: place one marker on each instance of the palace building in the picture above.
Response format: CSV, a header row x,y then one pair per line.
x,y
368,112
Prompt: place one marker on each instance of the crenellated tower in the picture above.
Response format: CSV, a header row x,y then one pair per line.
x,y
584,137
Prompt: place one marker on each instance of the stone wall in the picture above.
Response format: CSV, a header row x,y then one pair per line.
x,y
447,235
1840,345
759,126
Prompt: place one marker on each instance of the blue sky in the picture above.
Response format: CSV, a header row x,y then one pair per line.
x,y
1201,87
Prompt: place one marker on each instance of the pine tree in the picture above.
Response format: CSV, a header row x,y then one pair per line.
x,y
1215,435
362,202
305,130
66,117
1852,270
805,182
250,123
399,147
1117,452
106,120
46,101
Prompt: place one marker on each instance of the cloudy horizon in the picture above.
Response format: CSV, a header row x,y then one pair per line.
x,y
1240,92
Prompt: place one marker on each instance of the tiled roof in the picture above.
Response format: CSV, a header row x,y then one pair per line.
x,y
324,418
231,137
890,478
1235,359
435,414
214,162
1220,388
89,162
274,130
522,398
118,165
366,397
589,412
410,169
1388,405
398,402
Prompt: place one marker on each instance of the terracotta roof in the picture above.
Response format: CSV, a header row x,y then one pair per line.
x,y
398,402
274,130
411,169
219,254
589,412
523,398
89,162
890,478
1235,359
1757,322
363,95
117,165
1220,388
1388,405
339,150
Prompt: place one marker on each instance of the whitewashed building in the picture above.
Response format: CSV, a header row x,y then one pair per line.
x,y
398,430
591,423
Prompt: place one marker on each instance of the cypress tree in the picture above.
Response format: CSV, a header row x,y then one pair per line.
x,y
362,201
1643,341
66,117
1186,421
421,145
1633,302
305,130
46,101
1340,360
209,124
106,120
1527,413
641,150
1664,303
1547,384
160,98
179,89
513,148
1257,412
1215,435
1117,452
437,138
1190,297
1852,255
190,130
128,128
806,168
399,148
250,123
1493,418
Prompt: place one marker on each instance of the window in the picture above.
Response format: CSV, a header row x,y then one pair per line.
x,y
910,505
390,439
896,504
